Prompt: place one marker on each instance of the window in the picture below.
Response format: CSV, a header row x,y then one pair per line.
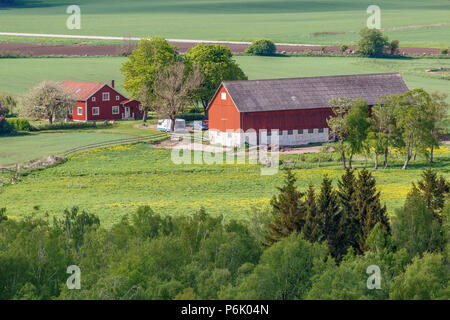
x,y
300,131
290,132
105,96
320,130
310,130
93,98
269,132
115,110
70,112
117,98
80,111
223,96
95,111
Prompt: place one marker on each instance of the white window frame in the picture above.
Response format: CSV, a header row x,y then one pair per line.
x,y
117,98
93,98
98,111
70,111
223,96
104,95
118,110
80,111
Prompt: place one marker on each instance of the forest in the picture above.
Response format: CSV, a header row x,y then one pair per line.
x,y
313,245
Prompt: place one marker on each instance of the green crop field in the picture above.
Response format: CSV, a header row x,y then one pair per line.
x,y
114,181
293,21
19,74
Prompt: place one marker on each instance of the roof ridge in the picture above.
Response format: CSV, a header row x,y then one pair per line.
x,y
316,77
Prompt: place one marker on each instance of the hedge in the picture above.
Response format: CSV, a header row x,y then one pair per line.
x,y
20,124
193,116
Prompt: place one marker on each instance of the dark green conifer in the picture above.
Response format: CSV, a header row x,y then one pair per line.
x,y
311,229
370,211
434,191
288,210
329,215
349,228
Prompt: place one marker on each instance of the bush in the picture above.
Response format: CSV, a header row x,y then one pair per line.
x,y
262,47
193,116
444,51
344,47
66,125
20,124
372,42
5,127
393,46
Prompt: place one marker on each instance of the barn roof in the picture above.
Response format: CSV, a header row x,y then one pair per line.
x,y
311,92
83,90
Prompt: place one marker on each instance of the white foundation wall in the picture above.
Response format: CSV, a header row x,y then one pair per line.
x,y
285,139
228,139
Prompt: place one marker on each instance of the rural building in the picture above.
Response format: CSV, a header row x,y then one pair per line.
x,y
100,101
297,107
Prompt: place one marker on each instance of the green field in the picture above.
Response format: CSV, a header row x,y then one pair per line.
x,y
114,181
292,21
19,74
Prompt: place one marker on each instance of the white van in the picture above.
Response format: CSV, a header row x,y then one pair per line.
x,y
166,124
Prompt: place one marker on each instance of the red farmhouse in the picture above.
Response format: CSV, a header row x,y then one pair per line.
x,y
297,108
100,101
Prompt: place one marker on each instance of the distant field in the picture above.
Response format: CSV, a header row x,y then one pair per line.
x,y
115,181
18,75
294,21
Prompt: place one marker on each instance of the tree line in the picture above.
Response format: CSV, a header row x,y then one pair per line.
x,y
310,245
411,123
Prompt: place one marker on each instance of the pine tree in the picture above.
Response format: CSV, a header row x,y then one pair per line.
x,y
329,215
311,229
370,211
349,228
288,210
434,190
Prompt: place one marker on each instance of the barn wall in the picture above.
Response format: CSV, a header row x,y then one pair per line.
x,y
222,114
287,119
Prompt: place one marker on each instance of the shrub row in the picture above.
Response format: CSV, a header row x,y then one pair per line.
x,y
20,124
193,116
65,125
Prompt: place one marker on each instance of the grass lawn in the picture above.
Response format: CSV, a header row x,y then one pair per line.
x,y
283,21
36,145
19,74
114,181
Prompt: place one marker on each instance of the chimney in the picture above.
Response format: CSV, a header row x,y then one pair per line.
x,y
112,83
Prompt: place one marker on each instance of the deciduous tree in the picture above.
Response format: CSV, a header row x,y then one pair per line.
x,y
48,100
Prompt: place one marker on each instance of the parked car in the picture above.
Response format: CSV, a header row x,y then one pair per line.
x,y
166,124
199,126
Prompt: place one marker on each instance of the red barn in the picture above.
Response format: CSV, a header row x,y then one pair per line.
x,y
100,101
297,108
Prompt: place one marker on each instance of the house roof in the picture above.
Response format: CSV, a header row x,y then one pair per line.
x,y
311,92
83,90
